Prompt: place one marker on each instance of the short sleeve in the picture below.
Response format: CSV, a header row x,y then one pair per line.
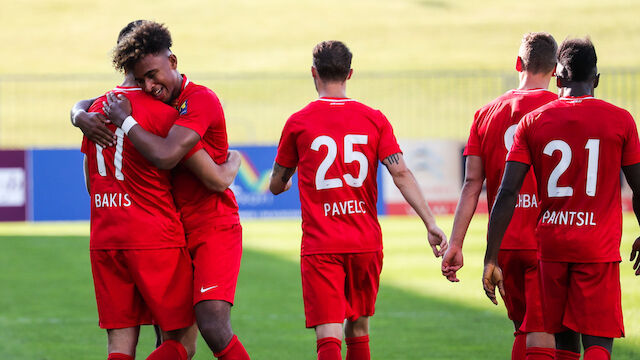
x,y
473,143
388,144
287,150
200,111
85,145
520,151
193,150
631,147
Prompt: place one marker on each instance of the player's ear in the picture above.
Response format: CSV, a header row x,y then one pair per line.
x,y
350,73
519,64
314,72
174,61
596,80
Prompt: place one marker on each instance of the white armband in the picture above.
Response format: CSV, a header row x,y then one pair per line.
x,y
128,123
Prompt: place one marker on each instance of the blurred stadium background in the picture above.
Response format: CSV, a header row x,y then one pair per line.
x,y
427,64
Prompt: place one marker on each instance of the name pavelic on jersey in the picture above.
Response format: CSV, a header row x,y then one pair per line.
x,y
110,200
348,207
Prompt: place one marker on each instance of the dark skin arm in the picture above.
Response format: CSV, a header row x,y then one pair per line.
x,y
85,168
514,174
92,124
280,179
164,153
215,177
632,174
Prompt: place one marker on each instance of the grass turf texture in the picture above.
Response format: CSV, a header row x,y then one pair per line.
x,y
268,42
48,308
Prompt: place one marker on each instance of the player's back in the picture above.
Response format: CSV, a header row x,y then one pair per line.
x,y
577,147
491,137
338,143
131,202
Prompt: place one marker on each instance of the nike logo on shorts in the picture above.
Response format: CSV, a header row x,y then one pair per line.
x,y
204,289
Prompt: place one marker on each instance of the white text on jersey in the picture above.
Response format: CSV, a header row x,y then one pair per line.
x,y
110,200
527,201
348,207
577,218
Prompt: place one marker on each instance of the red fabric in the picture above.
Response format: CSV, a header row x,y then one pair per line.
x,y
339,214
596,352
538,353
339,286
233,351
200,110
358,348
581,219
134,286
119,356
329,348
169,350
522,287
585,298
490,138
131,202
518,351
567,355
216,253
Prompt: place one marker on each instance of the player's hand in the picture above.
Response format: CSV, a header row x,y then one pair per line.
x,y
452,261
93,127
492,277
117,108
437,238
635,254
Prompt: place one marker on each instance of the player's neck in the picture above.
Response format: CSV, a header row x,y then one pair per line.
x,y
332,89
530,81
129,81
577,90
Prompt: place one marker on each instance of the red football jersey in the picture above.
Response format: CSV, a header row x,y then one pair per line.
x,y
577,146
336,145
200,110
131,202
491,137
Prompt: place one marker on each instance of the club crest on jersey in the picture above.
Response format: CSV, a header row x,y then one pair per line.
x,y
183,108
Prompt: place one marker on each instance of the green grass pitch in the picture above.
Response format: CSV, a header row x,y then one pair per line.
x,y
47,308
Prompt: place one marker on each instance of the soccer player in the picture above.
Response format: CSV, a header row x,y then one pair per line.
x,y
577,146
211,221
489,142
336,142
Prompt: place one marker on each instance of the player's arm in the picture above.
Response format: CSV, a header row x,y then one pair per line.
x,y
85,168
92,124
164,153
632,174
474,176
405,181
501,213
215,177
280,178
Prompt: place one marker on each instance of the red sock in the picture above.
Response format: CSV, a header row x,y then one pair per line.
x,y
518,352
596,352
169,350
358,348
539,353
233,351
567,355
119,356
329,348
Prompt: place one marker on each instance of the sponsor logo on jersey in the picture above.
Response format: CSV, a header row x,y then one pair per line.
x,y
183,108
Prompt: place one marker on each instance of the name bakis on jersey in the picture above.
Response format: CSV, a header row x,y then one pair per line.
x,y
112,200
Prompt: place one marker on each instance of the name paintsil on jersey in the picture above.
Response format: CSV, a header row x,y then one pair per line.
x,y
577,218
110,200
348,207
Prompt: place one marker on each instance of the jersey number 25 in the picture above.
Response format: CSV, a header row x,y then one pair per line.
x,y
350,155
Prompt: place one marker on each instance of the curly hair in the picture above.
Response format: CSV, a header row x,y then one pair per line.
x,y
578,59
148,37
538,52
332,59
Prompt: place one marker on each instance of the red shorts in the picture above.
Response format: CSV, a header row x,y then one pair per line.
x,y
585,298
522,286
135,286
216,252
339,286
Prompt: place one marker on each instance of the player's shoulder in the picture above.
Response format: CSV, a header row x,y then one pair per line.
x,y
611,107
200,92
